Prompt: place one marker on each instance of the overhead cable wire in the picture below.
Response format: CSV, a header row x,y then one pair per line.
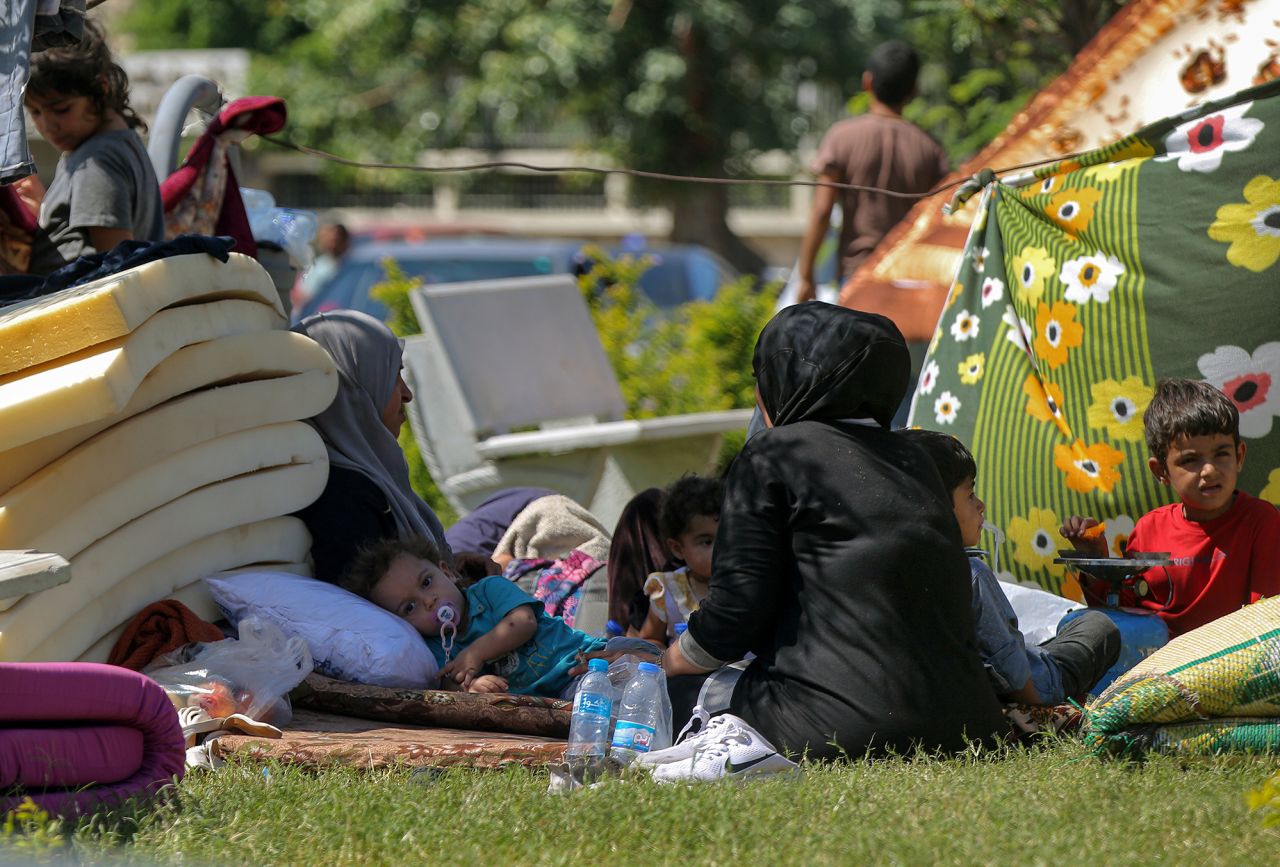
x,y
641,173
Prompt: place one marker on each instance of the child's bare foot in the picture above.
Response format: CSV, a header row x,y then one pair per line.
x,y
1085,535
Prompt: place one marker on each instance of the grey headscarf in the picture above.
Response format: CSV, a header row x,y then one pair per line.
x,y
367,355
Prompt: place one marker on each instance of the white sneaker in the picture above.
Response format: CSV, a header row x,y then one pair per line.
x,y
727,749
684,749
709,729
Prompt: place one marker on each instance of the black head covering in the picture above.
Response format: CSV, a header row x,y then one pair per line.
x,y
818,362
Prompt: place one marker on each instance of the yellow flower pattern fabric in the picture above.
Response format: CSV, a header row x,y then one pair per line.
x,y
1073,209
971,368
1044,402
1057,332
1271,493
1117,407
1031,268
1081,285
1036,540
1252,228
1088,468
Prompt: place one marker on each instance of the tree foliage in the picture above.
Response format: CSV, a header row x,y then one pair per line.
x,y
984,61
692,87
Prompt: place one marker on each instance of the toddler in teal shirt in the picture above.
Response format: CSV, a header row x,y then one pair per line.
x,y
504,640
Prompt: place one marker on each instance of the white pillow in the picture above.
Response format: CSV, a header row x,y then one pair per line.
x,y
350,638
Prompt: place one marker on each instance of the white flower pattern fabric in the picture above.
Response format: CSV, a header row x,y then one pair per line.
x,y
1200,144
1250,380
946,408
1090,278
929,377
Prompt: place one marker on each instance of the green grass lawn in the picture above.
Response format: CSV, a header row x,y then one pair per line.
x,y
1053,804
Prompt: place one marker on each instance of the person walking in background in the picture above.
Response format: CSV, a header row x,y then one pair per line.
x,y
332,242
877,149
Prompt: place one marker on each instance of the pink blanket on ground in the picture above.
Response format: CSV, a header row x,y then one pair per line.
x,y
76,736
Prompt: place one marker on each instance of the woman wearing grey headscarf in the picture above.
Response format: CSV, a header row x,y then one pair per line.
x,y
368,497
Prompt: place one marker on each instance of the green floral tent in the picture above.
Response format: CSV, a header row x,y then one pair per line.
x,y
1080,286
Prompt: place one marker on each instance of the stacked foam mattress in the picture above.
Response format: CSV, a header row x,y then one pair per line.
x,y
151,433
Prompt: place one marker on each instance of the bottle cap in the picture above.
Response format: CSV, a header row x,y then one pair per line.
x,y
648,667
613,627
680,629
599,665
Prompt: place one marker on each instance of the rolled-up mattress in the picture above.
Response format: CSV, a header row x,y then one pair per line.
x,y
238,358
78,736
99,568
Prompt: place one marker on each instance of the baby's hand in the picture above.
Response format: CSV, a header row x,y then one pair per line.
x,y
462,668
488,683
1085,535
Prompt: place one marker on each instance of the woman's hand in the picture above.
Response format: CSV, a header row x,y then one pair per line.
x,y
609,656
488,683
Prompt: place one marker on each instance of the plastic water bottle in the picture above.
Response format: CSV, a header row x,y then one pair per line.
x,y
638,716
589,726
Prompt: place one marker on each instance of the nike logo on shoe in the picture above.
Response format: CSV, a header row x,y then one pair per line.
x,y
731,768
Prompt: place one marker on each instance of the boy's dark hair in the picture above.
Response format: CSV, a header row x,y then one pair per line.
x,y
374,560
893,66
688,496
955,463
1187,408
79,70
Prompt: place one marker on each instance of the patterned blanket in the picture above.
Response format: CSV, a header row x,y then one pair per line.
x,y
1214,689
1085,282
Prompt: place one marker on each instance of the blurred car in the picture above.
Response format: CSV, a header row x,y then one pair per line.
x,y
679,273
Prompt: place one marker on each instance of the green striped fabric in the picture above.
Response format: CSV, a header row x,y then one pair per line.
x,y
1080,286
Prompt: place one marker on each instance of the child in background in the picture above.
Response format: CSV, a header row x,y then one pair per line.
x,y
1224,543
1067,665
505,641
689,517
636,552
105,190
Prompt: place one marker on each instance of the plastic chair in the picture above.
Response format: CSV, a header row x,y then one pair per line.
x,y
513,388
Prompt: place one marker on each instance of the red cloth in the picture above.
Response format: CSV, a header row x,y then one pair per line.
x,y
257,115
160,627
15,232
79,736
1220,566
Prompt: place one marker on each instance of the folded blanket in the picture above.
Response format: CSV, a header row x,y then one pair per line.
x,y
550,527
160,627
78,736
1210,690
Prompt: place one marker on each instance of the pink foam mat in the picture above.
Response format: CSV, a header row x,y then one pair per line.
x,y
76,737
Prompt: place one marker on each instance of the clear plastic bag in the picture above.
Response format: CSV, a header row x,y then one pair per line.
x,y
294,230
250,675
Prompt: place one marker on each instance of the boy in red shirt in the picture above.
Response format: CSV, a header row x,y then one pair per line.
x,y
1224,543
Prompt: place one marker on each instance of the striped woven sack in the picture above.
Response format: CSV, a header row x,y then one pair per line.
x,y
1082,284
1213,689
